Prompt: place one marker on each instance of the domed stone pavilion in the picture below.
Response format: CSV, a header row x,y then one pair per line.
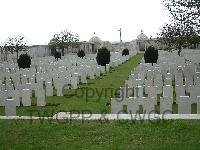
x,y
141,42
96,43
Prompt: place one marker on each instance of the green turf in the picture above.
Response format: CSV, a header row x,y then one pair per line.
x,y
104,88
100,135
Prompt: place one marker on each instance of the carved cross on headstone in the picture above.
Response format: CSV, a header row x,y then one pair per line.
x,y
137,91
124,92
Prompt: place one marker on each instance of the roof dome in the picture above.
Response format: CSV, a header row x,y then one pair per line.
x,y
96,40
142,36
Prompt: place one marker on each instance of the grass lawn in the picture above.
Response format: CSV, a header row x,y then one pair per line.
x,y
94,96
99,135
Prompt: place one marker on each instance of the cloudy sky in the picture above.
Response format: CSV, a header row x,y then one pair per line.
x,y
39,20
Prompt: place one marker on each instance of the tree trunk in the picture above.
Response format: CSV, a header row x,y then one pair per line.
x,y
17,55
6,55
179,51
62,51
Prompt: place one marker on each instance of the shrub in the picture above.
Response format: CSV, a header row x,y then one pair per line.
x,y
151,55
103,56
81,54
57,55
125,52
24,61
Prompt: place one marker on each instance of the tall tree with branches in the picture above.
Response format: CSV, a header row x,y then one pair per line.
x,y
184,28
186,12
15,44
65,38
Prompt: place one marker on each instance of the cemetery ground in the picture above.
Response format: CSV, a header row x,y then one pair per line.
x,y
99,134
93,96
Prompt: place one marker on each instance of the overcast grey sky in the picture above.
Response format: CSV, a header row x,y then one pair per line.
x,y
39,20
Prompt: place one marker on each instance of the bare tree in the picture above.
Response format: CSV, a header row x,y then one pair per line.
x,y
15,44
176,36
65,38
183,30
186,12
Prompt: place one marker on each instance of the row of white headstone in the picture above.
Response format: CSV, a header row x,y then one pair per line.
x,y
45,72
158,79
132,105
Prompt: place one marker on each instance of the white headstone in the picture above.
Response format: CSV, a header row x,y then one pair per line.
x,y
74,83
180,91
194,92
148,105
167,91
165,105
167,81
151,91
49,89
3,97
107,67
16,96
198,104
41,98
116,105
60,89
10,107
83,78
26,100
138,91
184,105
132,105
